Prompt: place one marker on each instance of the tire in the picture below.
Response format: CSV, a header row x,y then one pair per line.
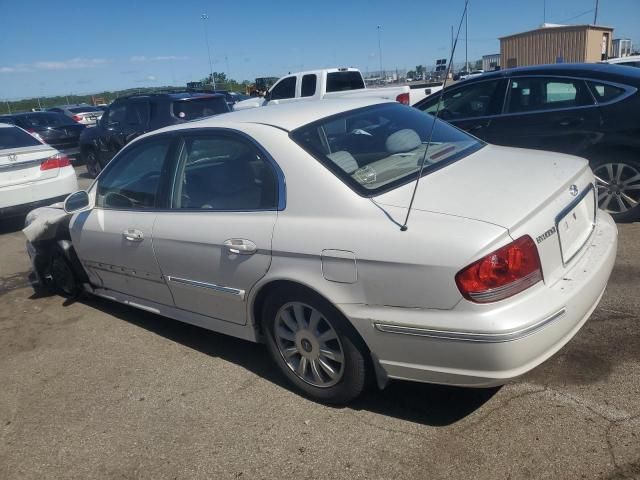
x,y
64,281
618,181
92,163
331,344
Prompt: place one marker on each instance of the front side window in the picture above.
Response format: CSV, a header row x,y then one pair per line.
x,y
285,88
308,85
116,114
132,181
374,149
137,113
539,93
475,100
220,172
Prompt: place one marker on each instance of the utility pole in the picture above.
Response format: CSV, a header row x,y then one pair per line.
x,y
544,12
226,60
466,39
595,15
380,53
205,20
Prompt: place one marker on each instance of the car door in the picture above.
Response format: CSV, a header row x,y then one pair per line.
x,y
110,140
284,91
548,113
471,107
214,243
114,239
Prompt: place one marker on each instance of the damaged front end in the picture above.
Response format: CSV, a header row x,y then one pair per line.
x,y
56,267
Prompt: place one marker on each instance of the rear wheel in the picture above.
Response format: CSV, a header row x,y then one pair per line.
x,y
92,163
618,183
314,346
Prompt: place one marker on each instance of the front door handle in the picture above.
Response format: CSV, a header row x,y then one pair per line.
x,y
569,122
133,235
241,246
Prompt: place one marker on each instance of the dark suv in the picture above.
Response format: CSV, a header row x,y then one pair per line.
x,y
129,117
590,110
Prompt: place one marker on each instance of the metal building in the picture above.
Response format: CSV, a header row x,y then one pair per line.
x,y
490,62
557,44
622,47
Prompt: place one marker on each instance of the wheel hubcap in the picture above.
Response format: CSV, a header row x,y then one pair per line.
x,y
618,187
309,344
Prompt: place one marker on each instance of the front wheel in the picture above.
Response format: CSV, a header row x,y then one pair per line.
x,y
314,346
92,163
618,183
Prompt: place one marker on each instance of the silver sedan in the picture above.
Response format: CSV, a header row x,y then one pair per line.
x,y
291,225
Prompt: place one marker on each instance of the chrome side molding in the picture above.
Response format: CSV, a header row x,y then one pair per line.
x,y
212,286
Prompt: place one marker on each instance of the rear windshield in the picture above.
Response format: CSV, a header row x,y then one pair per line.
x,y
341,81
375,149
13,137
84,109
190,109
47,120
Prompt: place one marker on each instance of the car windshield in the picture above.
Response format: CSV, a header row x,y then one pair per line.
x,y
190,109
374,149
87,109
37,120
13,137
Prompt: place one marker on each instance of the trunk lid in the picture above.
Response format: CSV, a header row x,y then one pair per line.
x,y
22,165
545,195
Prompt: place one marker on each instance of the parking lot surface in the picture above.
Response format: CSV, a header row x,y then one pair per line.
x,y
93,389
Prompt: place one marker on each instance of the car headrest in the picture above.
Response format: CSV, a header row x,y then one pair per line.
x,y
344,160
402,141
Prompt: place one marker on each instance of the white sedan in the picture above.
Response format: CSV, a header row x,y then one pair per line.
x,y
32,173
287,225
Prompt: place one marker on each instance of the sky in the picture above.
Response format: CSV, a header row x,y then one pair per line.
x,y
68,46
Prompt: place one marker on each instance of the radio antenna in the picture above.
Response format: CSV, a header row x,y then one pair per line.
x,y
404,226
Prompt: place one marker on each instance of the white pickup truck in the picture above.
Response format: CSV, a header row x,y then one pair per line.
x,y
329,83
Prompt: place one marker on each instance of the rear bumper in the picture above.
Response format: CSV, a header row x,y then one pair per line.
x,y
503,340
16,200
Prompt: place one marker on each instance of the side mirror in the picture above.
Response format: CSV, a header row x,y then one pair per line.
x,y
76,202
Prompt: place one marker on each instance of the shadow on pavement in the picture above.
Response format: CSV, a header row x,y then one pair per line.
x,y
434,405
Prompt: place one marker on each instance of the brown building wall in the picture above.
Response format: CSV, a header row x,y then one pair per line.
x,y
545,45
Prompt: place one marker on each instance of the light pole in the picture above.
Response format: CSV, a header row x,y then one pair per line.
x,y
379,27
205,19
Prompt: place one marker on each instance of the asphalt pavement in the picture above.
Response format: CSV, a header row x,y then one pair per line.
x,y
93,389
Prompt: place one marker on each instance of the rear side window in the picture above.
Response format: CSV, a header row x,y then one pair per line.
x,y
132,182
286,88
342,81
308,86
223,173
537,94
13,137
192,108
603,92
37,120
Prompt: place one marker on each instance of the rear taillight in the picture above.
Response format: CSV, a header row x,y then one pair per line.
x,y
35,134
77,118
57,161
403,98
501,274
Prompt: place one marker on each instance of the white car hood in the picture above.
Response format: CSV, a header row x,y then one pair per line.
x,y
249,103
498,185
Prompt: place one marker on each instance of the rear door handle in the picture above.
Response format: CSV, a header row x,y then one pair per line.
x,y
241,246
568,122
133,235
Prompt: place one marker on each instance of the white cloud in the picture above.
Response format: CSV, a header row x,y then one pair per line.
x,y
159,58
15,69
71,64
151,78
138,59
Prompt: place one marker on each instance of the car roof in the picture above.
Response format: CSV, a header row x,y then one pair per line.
x,y
170,95
285,116
6,125
631,58
591,70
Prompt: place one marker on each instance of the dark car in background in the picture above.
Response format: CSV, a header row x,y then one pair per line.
x,y
129,117
55,129
81,113
232,97
589,110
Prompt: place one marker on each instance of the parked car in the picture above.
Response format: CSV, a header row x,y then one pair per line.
x,y
32,173
473,74
283,225
81,113
232,97
56,129
326,83
129,117
631,61
590,110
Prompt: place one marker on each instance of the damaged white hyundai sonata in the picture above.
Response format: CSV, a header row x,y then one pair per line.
x,y
288,225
